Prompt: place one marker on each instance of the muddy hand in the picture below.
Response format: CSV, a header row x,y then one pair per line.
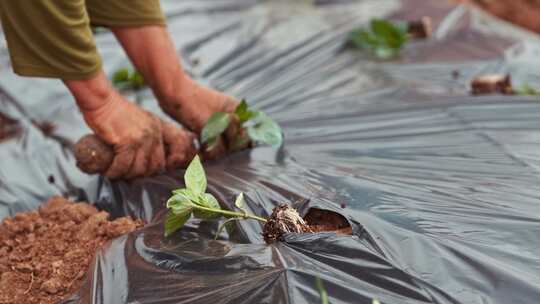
x,y
94,156
139,140
233,140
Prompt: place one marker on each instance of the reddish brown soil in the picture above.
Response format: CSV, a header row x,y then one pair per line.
x,y
8,127
324,220
285,219
525,13
45,254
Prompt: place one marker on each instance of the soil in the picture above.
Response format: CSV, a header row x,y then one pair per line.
x,y
8,127
524,13
46,127
285,219
492,84
93,155
45,254
324,220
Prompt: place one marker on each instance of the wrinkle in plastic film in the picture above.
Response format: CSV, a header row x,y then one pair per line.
x,y
441,188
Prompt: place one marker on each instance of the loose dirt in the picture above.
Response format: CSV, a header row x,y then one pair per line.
x,y
8,127
324,220
45,254
285,219
524,13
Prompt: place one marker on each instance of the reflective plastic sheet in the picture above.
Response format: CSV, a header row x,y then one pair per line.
x,y
442,189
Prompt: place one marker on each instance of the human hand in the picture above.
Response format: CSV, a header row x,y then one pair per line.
x,y
143,144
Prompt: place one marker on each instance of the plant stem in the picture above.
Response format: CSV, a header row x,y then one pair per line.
x,y
231,213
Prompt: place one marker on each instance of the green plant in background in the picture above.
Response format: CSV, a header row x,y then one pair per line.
x,y
322,291
526,89
123,79
382,38
193,200
260,127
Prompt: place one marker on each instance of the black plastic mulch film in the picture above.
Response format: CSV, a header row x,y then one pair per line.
x,y
442,189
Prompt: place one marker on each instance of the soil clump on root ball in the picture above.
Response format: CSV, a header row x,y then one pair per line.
x,y
285,219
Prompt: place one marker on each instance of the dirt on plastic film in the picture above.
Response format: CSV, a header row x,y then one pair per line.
x,y
521,12
45,254
432,180
8,127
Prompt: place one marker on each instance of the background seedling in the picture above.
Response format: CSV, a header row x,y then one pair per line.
x,y
124,79
193,200
322,291
259,127
382,38
526,89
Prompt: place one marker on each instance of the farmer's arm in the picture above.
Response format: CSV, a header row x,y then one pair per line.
x,y
151,50
53,39
138,136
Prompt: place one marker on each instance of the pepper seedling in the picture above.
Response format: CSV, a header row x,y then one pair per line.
x,y
382,38
124,79
193,200
259,127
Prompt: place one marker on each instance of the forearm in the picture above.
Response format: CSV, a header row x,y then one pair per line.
x,y
93,93
151,50
97,99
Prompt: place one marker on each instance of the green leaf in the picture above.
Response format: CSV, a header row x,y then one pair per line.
x,y
212,144
182,199
239,203
174,222
195,178
121,75
243,112
383,52
216,125
382,28
137,80
363,39
383,38
264,130
375,301
388,34
207,200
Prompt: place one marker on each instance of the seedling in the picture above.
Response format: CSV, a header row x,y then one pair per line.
x,y
124,79
322,291
526,90
193,200
252,125
382,38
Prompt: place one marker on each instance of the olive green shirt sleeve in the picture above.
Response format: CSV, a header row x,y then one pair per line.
x,y
53,38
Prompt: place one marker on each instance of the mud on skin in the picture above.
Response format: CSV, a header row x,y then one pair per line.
x,y
45,254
